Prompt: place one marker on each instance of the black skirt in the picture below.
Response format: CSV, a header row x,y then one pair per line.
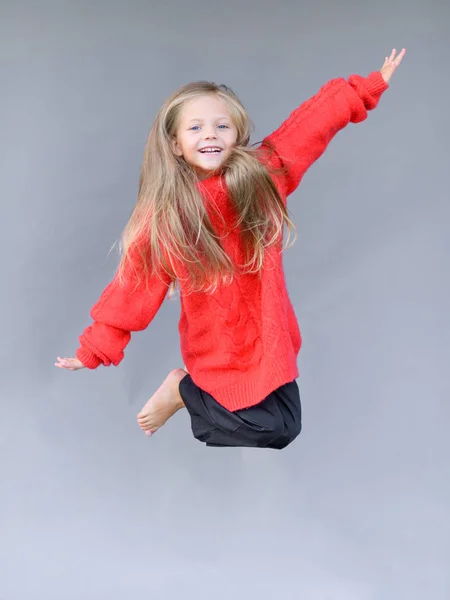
x,y
273,423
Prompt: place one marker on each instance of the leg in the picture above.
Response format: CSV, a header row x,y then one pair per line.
x,y
273,423
164,403
289,404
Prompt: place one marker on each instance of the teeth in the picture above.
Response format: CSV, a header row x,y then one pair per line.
x,y
210,150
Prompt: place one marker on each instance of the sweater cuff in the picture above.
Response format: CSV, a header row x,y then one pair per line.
x,y
376,85
88,358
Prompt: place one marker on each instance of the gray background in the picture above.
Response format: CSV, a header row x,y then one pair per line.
x,y
357,507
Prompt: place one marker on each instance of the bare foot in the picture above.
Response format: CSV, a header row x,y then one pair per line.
x,y
163,404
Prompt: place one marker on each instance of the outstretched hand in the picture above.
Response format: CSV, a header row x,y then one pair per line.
x,y
71,364
391,63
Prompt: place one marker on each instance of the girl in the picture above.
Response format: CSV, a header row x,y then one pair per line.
x,y
209,217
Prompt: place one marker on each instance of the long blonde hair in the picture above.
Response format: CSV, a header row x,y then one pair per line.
x,y
169,223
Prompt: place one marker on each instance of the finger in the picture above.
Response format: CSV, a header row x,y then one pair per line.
x,y
73,363
399,58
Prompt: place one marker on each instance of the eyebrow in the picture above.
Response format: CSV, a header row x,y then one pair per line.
x,y
200,119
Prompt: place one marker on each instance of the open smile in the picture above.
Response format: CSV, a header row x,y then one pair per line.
x,y
211,150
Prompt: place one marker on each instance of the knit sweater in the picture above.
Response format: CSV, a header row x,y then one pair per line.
x,y
241,342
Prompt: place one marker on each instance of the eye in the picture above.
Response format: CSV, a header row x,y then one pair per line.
x,y
224,126
195,127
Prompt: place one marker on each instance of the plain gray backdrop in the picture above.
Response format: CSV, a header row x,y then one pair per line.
x,y
357,508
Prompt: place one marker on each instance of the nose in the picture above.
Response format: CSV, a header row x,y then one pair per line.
x,y
211,134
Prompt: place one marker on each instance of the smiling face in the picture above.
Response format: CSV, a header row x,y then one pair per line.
x,y
206,134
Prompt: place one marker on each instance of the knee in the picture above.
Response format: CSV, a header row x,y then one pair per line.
x,y
295,426
271,432
295,429
290,433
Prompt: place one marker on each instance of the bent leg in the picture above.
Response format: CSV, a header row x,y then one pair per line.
x,y
289,404
273,423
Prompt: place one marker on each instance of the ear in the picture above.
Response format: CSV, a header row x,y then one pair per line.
x,y
176,147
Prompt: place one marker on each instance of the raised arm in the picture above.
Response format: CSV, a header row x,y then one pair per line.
x,y
305,135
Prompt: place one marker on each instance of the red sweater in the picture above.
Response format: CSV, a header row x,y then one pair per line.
x,y
240,343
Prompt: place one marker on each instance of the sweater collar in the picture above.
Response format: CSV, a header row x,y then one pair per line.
x,y
209,183
212,186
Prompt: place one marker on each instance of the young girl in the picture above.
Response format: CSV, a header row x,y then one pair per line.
x,y
209,217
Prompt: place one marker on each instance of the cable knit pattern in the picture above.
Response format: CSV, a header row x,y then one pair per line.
x,y
242,342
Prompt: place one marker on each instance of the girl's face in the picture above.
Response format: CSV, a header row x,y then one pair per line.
x,y
206,134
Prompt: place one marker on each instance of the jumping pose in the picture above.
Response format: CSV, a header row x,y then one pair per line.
x,y
209,220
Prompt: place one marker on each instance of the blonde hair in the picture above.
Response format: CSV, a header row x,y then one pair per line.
x,y
169,224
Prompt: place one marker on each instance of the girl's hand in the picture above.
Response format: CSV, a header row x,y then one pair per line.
x,y
390,64
71,364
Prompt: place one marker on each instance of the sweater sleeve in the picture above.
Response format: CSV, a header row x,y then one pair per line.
x,y
120,310
305,135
